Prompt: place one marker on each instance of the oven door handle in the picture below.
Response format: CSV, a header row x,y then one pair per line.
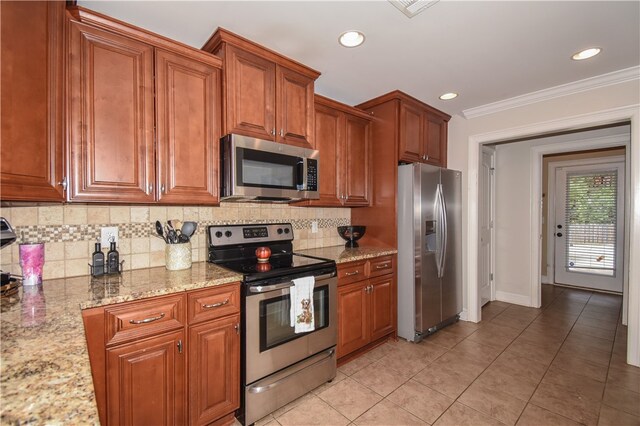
x,y
311,362
268,288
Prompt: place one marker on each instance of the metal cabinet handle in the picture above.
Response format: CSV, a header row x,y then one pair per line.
x,y
237,327
147,320
281,132
179,346
385,266
273,131
368,289
150,188
350,274
426,157
215,305
162,189
63,183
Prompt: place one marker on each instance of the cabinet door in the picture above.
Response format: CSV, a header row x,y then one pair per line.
x,y
111,116
294,123
214,370
353,313
146,382
329,125
250,94
355,163
435,140
31,100
188,129
382,306
410,146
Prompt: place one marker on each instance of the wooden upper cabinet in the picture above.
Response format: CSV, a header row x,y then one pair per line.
x,y
266,95
250,96
294,123
435,139
111,117
420,129
411,141
31,100
329,128
187,129
342,137
356,161
144,115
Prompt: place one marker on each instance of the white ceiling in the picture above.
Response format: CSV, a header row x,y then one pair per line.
x,y
486,51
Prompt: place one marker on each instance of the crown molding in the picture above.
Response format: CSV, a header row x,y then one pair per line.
x,y
615,77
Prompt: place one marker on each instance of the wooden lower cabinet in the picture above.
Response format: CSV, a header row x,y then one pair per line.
x,y
367,307
154,365
353,314
146,381
214,369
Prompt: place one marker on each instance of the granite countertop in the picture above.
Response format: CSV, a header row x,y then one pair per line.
x,y
44,364
342,255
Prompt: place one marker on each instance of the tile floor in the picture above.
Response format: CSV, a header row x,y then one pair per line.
x,y
562,364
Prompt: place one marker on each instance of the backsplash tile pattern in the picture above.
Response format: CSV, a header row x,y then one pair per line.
x,y
70,232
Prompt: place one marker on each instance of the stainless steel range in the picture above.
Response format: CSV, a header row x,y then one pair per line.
x,y
278,364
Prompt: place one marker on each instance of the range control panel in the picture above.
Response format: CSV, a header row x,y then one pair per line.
x,y
223,235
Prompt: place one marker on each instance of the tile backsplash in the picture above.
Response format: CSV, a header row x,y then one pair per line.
x,y
70,231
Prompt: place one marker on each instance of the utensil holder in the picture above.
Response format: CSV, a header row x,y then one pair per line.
x,y
177,256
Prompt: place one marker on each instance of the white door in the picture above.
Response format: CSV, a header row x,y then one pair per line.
x,y
485,225
589,226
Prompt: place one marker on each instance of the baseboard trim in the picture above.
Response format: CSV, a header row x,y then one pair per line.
x,y
464,315
516,299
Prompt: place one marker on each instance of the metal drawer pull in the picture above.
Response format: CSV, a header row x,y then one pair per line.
x,y
385,266
147,320
215,305
350,274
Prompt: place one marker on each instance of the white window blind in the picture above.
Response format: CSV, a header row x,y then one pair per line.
x,y
591,203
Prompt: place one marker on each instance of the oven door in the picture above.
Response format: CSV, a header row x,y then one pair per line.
x,y
271,343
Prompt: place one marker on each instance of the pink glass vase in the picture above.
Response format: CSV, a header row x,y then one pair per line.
x,y
32,262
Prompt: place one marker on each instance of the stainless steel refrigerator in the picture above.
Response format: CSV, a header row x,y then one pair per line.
x,y
429,249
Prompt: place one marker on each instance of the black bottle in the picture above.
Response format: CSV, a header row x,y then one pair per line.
x,y
113,259
97,260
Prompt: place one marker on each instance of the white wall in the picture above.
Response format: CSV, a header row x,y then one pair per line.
x,y
578,110
513,212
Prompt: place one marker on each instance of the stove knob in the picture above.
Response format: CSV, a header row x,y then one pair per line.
x,y
279,231
218,234
286,230
227,234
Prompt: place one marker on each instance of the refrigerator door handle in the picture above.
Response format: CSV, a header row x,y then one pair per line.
x,y
441,230
445,231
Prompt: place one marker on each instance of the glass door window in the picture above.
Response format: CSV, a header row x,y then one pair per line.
x,y
275,320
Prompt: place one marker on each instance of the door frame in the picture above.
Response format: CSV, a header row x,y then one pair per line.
x,y
551,200
630,113
492,216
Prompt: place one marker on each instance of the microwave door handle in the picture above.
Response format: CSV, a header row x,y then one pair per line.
x,y
301,174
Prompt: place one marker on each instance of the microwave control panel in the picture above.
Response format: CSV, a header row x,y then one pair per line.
x,y
312,174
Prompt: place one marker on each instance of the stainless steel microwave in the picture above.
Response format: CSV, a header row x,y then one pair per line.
x,y
258,170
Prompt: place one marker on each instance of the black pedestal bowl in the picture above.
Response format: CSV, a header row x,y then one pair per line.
x,y
351,234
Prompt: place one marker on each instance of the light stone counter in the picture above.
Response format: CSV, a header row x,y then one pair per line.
x,y
44,366
342,255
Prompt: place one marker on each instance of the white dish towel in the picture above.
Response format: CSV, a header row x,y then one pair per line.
x,y
302,315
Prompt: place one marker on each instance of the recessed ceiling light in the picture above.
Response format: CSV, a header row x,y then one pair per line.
x,y
351,38
448,96
586,54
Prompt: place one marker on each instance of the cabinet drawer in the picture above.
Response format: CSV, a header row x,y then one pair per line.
x,y
213,303
381,266
141,319
351,272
